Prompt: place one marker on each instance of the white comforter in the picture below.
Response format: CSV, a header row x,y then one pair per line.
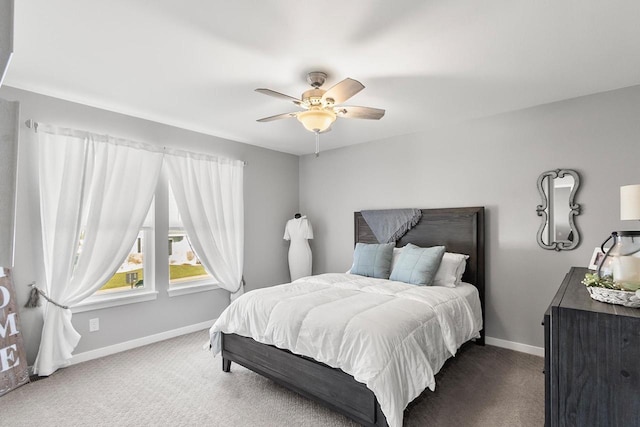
x,y
391,336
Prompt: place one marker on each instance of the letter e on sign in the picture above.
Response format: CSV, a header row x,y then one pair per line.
x,y
8,358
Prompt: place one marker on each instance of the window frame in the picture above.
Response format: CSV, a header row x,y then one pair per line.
x,y
148,292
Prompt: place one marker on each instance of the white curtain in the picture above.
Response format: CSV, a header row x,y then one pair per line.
x,y
209,194
99,187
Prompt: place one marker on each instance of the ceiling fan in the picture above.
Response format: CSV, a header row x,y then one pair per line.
x,y
322,107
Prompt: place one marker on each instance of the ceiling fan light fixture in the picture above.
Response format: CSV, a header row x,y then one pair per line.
x,y
316,119
323,106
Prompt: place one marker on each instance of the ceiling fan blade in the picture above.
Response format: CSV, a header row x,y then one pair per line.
x,y
343,90
277,117
279,95
359,112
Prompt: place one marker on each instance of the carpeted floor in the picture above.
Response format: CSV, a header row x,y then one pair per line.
x,y
177,383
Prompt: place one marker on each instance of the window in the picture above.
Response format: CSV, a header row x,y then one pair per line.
x,y
184,265
130,275
186,272
133,282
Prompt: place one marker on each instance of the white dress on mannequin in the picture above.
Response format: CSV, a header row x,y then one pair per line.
x,y
298,231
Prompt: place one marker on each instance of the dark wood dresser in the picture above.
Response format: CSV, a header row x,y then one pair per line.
x,y
592,359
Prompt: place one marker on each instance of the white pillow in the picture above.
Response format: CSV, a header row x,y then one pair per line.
x,y
451,270
449,273
396,255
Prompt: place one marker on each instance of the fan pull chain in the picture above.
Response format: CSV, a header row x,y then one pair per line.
x,y
317,143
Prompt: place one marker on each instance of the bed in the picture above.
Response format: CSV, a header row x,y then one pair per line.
x,y
461,230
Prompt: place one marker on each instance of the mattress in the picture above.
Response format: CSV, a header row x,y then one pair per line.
x,y
391,336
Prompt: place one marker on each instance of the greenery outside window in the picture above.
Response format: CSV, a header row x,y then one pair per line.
x,y
184,265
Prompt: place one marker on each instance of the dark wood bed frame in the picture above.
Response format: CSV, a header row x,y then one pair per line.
x,y
461,230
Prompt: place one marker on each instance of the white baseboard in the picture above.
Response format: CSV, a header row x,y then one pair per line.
x,y
523,348
139,342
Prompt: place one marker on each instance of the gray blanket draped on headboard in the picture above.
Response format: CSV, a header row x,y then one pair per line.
x,y
389,225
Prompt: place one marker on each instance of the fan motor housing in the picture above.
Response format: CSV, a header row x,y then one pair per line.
x,y
313,97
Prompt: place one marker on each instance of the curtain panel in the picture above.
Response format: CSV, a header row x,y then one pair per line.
x,y
98,188
95,192
209,194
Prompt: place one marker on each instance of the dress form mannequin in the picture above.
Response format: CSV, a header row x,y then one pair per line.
x,y
298,230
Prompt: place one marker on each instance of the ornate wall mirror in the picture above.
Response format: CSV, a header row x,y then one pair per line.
x,y
558,210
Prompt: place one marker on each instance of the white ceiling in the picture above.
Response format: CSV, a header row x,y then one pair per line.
x,y
195,63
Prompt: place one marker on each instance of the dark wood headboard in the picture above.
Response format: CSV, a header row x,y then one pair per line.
x,y
460,230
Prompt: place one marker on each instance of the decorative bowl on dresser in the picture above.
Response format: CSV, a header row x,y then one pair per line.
x,y
615,296
592,359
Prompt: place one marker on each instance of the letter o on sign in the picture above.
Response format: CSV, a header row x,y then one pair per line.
x,y
4,297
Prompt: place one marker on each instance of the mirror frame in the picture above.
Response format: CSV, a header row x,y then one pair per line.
x,y
574,210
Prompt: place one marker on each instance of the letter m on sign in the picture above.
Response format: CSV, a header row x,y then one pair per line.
x,y
14,370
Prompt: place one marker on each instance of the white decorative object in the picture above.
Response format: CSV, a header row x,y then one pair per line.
x,y
596,259
298,231
630,202
614,296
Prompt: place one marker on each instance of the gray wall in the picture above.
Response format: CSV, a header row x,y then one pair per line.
x,y
492,162
6,35
271,197
9,112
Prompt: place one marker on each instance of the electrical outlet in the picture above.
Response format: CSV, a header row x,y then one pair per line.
x,y
94,324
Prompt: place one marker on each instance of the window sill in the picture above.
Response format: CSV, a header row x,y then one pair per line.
x,y
97,302
192,288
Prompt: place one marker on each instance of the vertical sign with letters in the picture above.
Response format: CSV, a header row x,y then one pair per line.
x,y
14,371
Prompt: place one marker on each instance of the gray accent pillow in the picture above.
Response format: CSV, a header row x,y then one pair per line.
x,y
417,265
372,260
